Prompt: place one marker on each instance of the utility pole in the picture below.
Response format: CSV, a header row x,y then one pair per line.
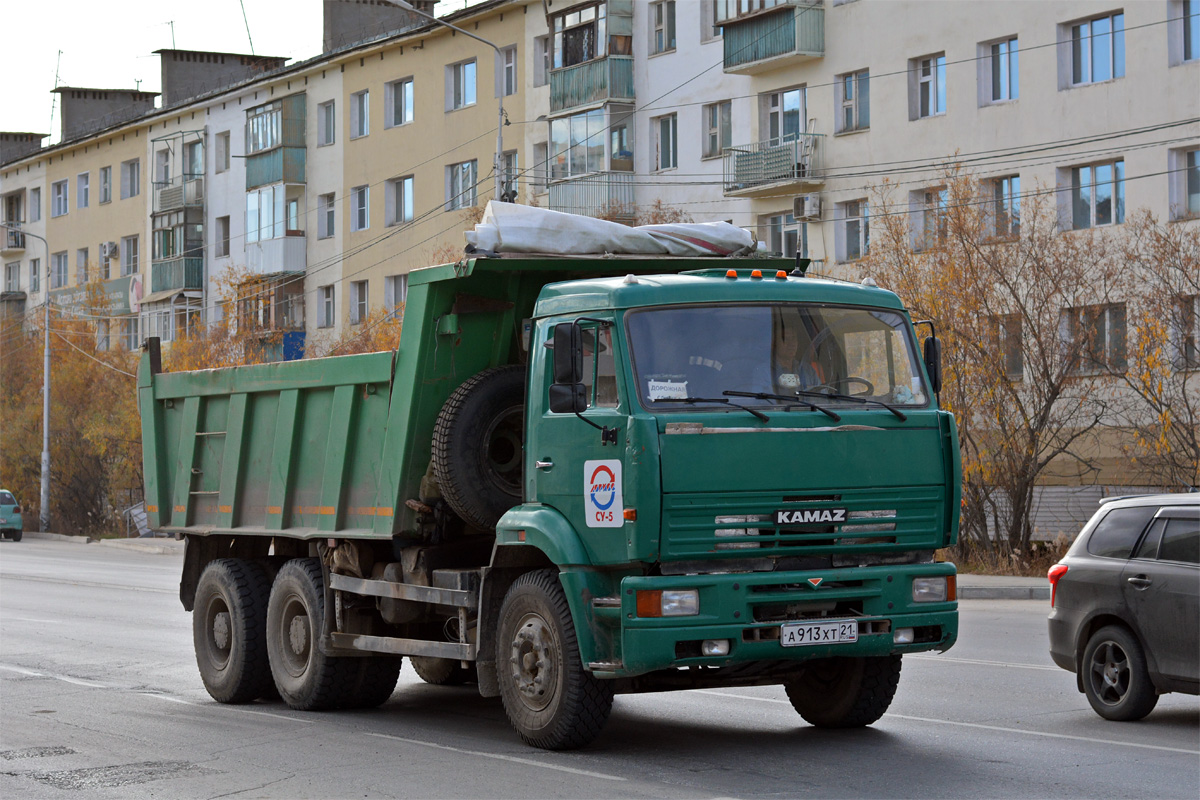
x,y
44,510
497,163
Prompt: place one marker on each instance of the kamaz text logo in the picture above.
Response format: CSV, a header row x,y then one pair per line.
x,y
810,516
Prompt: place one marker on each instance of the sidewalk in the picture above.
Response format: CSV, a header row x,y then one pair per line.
x,y
970,587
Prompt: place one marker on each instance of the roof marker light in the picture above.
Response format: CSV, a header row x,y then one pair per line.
x,y
780,275
631,279
732,273
756,274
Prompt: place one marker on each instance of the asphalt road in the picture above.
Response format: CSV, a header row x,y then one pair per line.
x,y
99,698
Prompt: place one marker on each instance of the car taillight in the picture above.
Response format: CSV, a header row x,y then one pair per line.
x,y
1056,572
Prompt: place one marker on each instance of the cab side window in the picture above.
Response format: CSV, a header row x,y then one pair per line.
x,y
599,366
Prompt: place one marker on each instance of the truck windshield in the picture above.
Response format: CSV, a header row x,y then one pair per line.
x,y
786,350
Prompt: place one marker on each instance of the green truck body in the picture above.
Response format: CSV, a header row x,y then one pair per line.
x,y
667,536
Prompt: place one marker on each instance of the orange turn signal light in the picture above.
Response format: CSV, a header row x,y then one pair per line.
x,y
731,273
630,514
781,275
756,273
649,603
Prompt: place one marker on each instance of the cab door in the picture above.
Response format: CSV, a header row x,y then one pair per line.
x,y
571,465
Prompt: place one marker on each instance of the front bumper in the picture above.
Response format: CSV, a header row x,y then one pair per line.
x,y
748,609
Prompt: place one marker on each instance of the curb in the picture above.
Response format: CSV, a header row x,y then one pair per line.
x,y
1003,592
160,546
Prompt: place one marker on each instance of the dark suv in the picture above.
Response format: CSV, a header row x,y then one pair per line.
x,y
1125,600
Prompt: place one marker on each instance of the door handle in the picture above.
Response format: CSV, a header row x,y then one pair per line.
x,y
1139,581
547,464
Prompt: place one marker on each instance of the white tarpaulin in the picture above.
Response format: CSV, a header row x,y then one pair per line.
x,y
512,228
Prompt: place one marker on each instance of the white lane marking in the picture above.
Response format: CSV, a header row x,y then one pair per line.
x,y
64,678
168,698
997,728
33,619
515,759
943,660
223,708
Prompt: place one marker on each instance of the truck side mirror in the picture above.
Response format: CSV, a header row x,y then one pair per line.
x,y
933,362
568,353
568,398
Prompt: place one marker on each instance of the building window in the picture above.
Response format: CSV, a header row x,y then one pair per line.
x,y
399,201
666,142
358,302
325,216
395,291
713,15
856,230
662,18
82,190
58,270
325,307
1185,40
718,133
931,206
541,167
1001,63
398,99
928,86
854,92
579,35
35,275
360,208
1098,195
162,166
787,236
360,114
326,124
460,85
1185,344
12,277
460,191
1184,167
264,127
1006,207
58,199
81,265
1095,338
541,61
35,204
106,259
577,144
106,184
1008,344
129,255
266,217
786,112
506,72
129,334
1098,49
131,178
621,157
193,160
222,237
511,176
222,161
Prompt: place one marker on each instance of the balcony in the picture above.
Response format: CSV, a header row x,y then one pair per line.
x,y
185,192
781,36
14,240
606,195
285,254
774,166
281,165
177,274
603,79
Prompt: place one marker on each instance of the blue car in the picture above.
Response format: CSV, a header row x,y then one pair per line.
x,y
10,516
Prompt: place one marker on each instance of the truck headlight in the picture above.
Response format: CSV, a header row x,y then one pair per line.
x,y
668,603
931,590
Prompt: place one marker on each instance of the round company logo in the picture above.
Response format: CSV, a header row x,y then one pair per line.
x,y
603,489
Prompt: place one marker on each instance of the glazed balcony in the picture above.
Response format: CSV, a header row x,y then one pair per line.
x,y
771,38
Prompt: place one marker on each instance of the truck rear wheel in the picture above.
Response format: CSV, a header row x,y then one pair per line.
x,y
373,683
477,445
845,692
550,699
306,678
442,671
229,630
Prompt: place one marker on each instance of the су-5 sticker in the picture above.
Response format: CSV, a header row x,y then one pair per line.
x,y
602,503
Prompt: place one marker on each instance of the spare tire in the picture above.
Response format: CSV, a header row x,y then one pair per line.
x,y
477,445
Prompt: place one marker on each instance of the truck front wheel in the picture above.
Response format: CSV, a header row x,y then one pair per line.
x,y
229,630
550,699
844,692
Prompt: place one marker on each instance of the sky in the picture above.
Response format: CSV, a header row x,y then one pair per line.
x,y
114,49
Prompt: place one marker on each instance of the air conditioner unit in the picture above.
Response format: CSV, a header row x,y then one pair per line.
x,y
108,250
807,206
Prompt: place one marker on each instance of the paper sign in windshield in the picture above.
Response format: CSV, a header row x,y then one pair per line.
x,y
668,390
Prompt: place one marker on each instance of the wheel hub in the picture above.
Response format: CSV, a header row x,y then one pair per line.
x,y
298,634
220,630
533,662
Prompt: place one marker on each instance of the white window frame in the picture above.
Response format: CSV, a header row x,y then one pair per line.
x,y
326,215
1010,344
1110,322
1082,183
854,98
131,178
854,240
1183,32
12,276
664,131
359,302
786,235
130,255
1006,206
461,84
775,114
1083,43
35,275
326,308
360,208
327,123
221,237
541,61
399,101
105,185
927,83
395,291
59,270
718,128
35,204
541,167
461,185
82,256
398,201
663,36
223,156
510,172
1000,71
83,189
60,200
928,207
1183,332
162,166
1183,165
360,114
506,71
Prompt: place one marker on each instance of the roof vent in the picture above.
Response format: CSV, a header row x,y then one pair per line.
x,y
631,280
869,281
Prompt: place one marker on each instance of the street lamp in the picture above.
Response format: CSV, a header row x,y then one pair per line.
x,y
497,162
44,511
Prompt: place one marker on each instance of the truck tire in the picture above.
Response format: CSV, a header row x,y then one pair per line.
x,y
373,683
845,692
442,671
229,630
550,699
477,445
307,679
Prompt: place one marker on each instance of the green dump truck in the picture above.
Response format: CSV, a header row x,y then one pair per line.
x,y
576,477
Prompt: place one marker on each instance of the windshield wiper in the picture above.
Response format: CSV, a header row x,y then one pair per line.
x,y
851,398
796,402
724,400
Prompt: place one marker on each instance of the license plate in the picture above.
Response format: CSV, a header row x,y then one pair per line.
x,y
837,631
